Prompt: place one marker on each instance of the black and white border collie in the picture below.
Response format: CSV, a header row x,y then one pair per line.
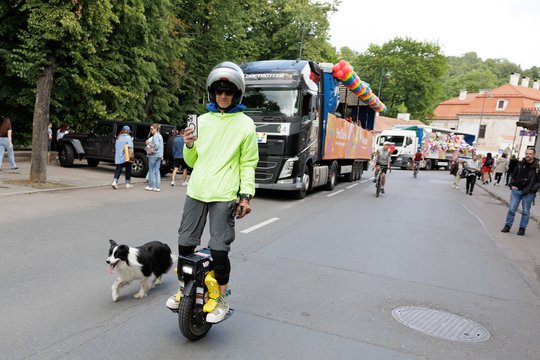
x,y
139,263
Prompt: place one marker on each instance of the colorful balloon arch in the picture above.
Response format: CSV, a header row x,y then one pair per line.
x,y
345,73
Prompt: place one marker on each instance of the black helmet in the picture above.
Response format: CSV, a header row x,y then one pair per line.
x,y
226,76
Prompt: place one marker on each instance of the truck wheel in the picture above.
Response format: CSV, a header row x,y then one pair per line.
x,y
139,168
359,171
332,177
352,175
66,155
428,164
306,182
93,162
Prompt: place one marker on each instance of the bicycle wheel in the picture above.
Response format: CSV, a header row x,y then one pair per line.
x,y
378,186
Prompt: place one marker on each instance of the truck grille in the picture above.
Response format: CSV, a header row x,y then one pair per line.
x,y
266,171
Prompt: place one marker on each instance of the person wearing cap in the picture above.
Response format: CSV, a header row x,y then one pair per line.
x,y
223,156
120,157
382,162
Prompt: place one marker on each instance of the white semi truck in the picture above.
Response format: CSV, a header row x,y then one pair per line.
x,y
439,146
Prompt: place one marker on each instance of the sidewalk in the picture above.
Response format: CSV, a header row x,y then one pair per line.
x,y
502,193
15,182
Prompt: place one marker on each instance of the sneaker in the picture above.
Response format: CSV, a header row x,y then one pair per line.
x,y
521,231
129,186
470,193
457,186
173,302
184,183
219,312
382,191
115,185
172,183
506,228
148,188
154,189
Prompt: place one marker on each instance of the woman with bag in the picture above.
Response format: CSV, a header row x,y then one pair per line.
x,y
123,157
154,150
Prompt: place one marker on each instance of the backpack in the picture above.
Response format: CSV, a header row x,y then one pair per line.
x,y
489,162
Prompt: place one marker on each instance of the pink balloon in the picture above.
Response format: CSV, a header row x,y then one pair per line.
x,y
339,74
343,63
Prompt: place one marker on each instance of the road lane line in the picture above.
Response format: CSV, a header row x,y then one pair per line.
x,y
335,193
365,181
260,225
351,186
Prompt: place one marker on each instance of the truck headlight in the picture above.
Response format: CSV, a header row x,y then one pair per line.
x,y
288,168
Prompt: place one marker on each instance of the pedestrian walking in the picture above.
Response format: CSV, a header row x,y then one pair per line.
x,y
223,155
457,171
501,166
524,183
6,143
154,151
511,166
471,171
487,165
122,158
179,163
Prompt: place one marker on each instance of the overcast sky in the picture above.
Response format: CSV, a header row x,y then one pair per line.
x,y
507,29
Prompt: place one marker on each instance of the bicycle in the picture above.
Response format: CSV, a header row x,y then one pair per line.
x,y
416,167
192,270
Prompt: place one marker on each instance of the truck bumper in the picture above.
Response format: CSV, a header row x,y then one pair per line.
x,y
282,185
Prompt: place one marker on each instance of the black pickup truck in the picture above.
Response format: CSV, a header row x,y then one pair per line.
x,y
99,145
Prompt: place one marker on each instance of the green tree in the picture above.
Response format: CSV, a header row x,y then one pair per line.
x,y
404,71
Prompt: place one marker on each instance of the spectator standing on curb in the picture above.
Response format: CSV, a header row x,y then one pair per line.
x,y
511,166
471,169
501,166
155,143
525,183
49,142
178,154
6,143
121,159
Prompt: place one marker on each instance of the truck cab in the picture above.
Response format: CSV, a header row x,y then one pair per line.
x,y
405,143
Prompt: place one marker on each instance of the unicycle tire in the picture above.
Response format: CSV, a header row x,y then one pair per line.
x,y
192,319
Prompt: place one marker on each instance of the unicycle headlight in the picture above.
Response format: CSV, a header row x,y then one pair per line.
x,y
187,269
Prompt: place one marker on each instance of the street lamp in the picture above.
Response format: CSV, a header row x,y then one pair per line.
x,y
310,33
383,69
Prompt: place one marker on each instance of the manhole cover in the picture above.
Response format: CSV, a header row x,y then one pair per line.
x,y
441,324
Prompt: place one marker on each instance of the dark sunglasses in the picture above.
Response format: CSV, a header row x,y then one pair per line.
x,y
226,92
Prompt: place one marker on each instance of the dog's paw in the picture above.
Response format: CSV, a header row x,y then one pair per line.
x,y
115,297
139,295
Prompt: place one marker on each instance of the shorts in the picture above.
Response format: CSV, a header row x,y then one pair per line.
x,y
486,169
180,163
221,215
49,146
384,168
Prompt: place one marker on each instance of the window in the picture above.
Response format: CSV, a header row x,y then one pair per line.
x,y
104,129
482,132
501,105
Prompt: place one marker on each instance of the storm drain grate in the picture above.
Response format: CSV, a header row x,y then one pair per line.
x,y
441,324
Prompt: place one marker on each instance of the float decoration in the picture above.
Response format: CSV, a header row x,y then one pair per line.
x,y
345,73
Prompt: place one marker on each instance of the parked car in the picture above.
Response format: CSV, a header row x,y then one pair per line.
x,y
99,145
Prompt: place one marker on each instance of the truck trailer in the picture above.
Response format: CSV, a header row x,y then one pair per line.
x,y
439,146
303,141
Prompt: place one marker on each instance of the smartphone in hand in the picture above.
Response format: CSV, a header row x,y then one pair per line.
x,y
192,123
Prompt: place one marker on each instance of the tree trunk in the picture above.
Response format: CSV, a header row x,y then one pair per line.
x,y
38,167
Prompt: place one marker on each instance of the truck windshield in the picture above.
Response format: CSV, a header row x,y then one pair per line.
x,y
395,140
280,101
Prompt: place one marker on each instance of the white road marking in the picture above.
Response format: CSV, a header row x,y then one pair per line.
x,y
365,181
260,225
335,193
351,186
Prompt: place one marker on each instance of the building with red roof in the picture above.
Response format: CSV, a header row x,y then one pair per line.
x,y
492,115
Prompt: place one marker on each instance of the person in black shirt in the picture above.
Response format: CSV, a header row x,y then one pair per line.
x,y
525,183
511,166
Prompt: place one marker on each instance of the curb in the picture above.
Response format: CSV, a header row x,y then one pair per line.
x,y
506,203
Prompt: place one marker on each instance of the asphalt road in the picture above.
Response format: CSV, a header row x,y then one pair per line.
x,y
312,279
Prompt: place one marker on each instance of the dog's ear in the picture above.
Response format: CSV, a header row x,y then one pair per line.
x,y
112,242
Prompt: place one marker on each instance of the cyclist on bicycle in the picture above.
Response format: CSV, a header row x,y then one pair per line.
x,y
382,162
419,156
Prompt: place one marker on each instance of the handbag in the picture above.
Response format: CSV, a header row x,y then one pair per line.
x,y
129,154
150,149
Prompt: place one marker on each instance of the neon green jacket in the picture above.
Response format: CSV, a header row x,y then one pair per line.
x,y
223,157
